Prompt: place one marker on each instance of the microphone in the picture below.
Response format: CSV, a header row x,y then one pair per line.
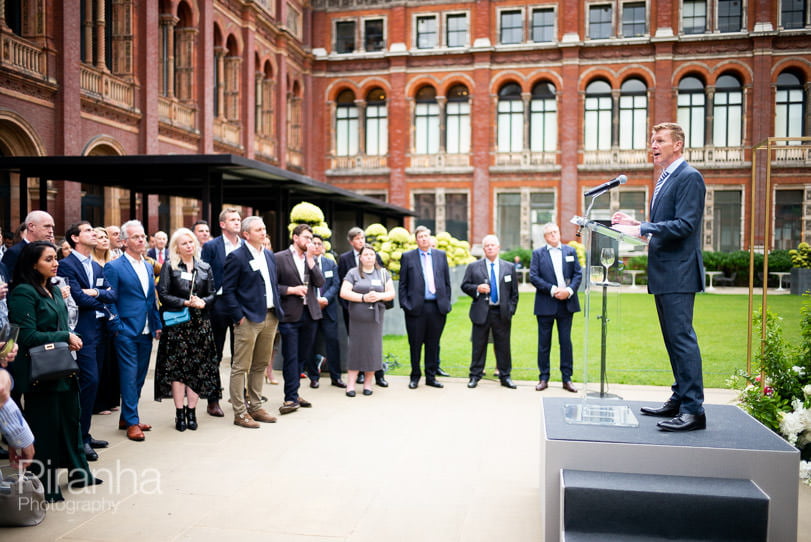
x,y
622,179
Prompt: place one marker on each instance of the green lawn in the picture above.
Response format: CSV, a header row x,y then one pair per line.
x,y
635,351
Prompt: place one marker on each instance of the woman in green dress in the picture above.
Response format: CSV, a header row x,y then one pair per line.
x,y
51,407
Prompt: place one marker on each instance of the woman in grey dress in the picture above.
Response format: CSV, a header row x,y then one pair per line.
x,y
366,287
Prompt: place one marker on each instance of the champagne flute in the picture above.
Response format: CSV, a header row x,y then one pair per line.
x,y
607,259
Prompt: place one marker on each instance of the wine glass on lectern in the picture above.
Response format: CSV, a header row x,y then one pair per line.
x,y
607,259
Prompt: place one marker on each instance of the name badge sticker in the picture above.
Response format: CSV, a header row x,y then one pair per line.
x,y
569,258
376,282
327,274
99,282
185,275
508,278
254,265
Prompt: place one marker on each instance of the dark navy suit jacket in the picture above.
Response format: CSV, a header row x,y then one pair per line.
x,y
73,271
477,273
153,253
132,308
331,287
213,253
412,282
675,264
542,276
243,288
10,259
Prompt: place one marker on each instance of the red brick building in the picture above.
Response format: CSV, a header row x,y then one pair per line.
x,y
486,116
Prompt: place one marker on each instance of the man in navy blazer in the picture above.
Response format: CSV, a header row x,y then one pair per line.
x,y
250,299
426,301
493,285
91,292
134,323
214,253
160,253
675,272
555,272
328,324
39,226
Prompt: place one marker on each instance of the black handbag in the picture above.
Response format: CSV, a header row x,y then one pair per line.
x,y
52,361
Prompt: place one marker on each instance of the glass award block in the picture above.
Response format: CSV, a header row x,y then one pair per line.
x,y
592,413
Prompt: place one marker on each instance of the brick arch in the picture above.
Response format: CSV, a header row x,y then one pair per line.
x,y
506,77
415,84
367,85
233,41
796,65
192,9
637,72
545,75
336,87
700,71
219,37
103,145
736,68
456,79
593,74
18,137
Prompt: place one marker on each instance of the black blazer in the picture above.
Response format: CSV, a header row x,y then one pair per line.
x,y
477,273
213,253
174,290
287,274
243,289
412,282
542,276
153,253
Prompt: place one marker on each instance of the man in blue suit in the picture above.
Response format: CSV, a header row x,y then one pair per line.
x,y
39,226
214,253
555,272
328,325
250,299
425,296
135,322
675,272
91,292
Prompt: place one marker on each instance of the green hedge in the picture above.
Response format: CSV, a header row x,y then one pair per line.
x,y
524,253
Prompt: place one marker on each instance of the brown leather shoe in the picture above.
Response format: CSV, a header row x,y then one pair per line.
x,y
245,420
261,415
568,386
542,385
288,407
304,403
142,426
213,409
134,432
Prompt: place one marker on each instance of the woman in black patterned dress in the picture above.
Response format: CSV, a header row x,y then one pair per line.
x,y
186,366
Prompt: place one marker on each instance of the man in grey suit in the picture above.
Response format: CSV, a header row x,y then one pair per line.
x,y
675,272
492,284
555,272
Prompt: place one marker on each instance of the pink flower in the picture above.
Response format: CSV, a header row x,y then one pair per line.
x,y
768,390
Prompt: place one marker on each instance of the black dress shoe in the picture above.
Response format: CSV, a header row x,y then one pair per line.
x,y
508,383
82,479
434,384
339,383
474,381
367,391
440,372
95,444
90,453
684,422
314,384
361,378
381,382
667,410
350,393
413,383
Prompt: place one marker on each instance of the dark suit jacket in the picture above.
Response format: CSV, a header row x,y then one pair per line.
x,y
213,253
10,259
477,273
153,253
288,276
132,308
675,264
73,270
331,287
542,276
412,282
243,289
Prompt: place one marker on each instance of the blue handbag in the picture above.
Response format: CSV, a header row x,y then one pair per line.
x,y
172,318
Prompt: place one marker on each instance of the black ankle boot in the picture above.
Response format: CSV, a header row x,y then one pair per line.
x,y
191,419
180,419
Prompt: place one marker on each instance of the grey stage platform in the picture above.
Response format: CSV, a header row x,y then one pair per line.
x,y
734,445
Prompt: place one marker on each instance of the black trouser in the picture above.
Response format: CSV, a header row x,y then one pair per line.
x,y
501,344
425,329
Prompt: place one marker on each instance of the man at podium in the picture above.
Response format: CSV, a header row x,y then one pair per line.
x,y
675,272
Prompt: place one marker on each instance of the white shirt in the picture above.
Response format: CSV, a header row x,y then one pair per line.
x,y
87,263
262,265
229,248
139,266
556,254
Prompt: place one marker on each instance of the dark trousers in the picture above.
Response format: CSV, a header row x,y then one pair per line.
x,y
220,325
380,373
298,339
545,324
109,394
329,332
89,373
676,320
425,329
501,344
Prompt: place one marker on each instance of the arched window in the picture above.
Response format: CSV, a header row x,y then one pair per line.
x,y
510,119
346,124
789,109
217,72
457,118
232,65
264,99
294,120
598,116
185,34
728,112
377,123
691,111
543,118
633,128
426,121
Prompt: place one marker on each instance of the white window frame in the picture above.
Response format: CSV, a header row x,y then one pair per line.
x,y
522,10
416,35
613,26
531,11
444,40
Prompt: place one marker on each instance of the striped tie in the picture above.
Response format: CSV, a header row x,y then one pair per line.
x,y
662,178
